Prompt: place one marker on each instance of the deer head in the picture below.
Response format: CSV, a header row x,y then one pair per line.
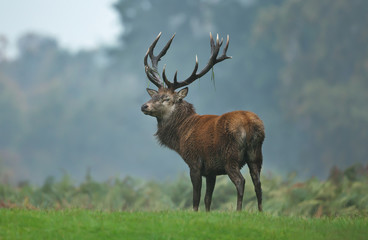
x,y
164,100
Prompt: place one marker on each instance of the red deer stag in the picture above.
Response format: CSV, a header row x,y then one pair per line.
x,y
211,145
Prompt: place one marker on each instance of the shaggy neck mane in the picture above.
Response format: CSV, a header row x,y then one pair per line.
x,y
169,130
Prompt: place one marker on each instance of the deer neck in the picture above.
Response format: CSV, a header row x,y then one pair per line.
x,y
169,130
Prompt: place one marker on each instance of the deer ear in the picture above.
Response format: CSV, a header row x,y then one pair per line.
x,y
183,93
151,92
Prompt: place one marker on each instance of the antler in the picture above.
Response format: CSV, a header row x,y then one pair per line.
x,y
152,72
215,48
154,76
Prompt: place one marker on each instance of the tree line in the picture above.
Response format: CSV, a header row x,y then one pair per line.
x,y
340,195
302,66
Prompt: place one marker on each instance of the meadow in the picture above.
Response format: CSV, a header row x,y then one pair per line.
x,y
131,208
93,224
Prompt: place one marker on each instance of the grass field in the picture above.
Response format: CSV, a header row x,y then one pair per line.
x,y
88,224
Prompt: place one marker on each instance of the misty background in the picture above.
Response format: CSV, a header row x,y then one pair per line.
x,y
302,66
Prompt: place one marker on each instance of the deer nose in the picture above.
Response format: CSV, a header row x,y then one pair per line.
x,y
144,107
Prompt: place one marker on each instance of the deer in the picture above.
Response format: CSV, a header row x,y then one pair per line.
x,y
210,145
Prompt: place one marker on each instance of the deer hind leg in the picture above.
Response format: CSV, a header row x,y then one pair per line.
x,y
255,165
196,178
210,185
237,178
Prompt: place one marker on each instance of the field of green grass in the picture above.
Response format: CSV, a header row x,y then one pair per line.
x,y
93,224
131,208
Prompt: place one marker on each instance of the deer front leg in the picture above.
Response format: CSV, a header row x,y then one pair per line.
x,y
195,176
210,185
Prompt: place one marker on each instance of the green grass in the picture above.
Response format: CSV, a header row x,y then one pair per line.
x,y
88,224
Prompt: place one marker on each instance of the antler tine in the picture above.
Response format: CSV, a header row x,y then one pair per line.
x,y
195,68
222,40
150,51
176,77
164,50
152,72
167,82
224,56
215,48
212,43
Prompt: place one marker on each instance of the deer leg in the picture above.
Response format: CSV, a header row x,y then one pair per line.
x,y
239,182
196,178
255,171
210,185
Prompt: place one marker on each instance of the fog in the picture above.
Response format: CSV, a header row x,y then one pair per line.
x,y
301,66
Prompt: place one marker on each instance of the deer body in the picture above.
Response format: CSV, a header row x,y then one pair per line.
x,y
206,142
211,145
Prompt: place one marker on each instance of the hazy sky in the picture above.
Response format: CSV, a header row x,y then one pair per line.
x,y
75,23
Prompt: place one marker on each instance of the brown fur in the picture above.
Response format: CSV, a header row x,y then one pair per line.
x,y
211,145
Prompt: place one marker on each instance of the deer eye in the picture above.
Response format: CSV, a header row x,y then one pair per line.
x,y
166,99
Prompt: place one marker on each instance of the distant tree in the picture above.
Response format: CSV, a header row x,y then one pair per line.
x,y
12,107
323,81
300,65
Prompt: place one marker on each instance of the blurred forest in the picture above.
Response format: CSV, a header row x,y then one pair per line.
x,y
302,66
342,194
